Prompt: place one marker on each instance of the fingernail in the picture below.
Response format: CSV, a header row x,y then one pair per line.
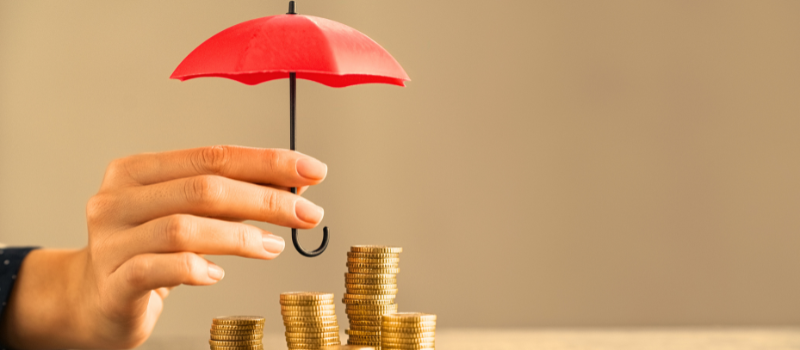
x,y
273,244
311,168
307,211
215,272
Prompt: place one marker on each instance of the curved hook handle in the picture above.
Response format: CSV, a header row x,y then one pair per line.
x,y
315,252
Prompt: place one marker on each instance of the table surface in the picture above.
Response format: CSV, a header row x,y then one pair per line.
x,y
565,339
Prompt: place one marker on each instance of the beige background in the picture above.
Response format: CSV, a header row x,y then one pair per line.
x,y
552,163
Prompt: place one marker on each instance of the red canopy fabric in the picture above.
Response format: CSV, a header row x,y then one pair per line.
x,y
268,48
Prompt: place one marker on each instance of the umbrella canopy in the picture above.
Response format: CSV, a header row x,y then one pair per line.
x,y
314,48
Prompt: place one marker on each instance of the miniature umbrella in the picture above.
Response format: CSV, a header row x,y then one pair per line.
x,y
293,46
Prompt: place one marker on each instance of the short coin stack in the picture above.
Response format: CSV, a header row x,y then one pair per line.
x,y
237,333
371,283
310,320
408,331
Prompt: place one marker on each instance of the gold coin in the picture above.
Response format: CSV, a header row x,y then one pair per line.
x,y
295,327
418,335
373,260
364,318
370,286
238,320
415,338
372,340
372,291
244,347
237,332
358,309
306,340
426,344
375,270
397,347
306,296
367,342
370,312
237,337
417,330
406,317
368,302
307,307
361,333
365,323
407,326
311,334
292,344
235,342
303,346
370,276
308,313
236,327
309,329
371,307
355,255
347,347
376,249
325,324
372,266
356,327
309,319
375,282
369,297
307,302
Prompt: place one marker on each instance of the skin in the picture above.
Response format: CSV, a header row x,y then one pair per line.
x,y
149,226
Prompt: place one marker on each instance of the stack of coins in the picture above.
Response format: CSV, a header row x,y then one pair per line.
x,y
371,283
408,331
310,320
237,333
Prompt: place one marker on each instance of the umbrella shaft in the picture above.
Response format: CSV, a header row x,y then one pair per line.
x,y
292,100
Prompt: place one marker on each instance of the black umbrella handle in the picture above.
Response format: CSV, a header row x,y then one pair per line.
x,y
292,99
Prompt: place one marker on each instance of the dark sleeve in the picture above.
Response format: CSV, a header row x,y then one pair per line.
x,y
10,262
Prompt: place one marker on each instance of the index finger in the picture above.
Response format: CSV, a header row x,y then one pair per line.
x,y
278,167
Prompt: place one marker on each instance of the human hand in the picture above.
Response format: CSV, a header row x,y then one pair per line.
x,y
149,225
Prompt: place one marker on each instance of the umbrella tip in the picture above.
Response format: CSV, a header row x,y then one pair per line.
x,y
292,9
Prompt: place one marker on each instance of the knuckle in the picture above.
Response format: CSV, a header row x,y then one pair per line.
x,y
272,202
96,208
177,229
138,271
274,159
245,238
187,266
203,189
213,159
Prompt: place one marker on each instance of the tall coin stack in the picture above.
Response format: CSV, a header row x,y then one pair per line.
x,y
310,320
237,333
408,331
371,283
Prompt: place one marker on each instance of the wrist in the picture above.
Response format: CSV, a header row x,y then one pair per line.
x,y
42,312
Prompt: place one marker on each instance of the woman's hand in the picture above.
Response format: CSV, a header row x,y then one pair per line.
x,y
149,225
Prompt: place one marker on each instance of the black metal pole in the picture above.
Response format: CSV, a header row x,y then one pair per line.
x,y
292,103
292,127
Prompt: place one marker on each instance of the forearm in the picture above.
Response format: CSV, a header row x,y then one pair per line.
x,y
42,311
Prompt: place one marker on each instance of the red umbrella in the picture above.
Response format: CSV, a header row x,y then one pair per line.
x,y
293,46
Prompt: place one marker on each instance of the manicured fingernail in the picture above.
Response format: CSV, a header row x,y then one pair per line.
x,y
311,168
215,272
308,212
273,244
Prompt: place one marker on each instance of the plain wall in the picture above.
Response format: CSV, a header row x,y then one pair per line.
x,y
551,163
